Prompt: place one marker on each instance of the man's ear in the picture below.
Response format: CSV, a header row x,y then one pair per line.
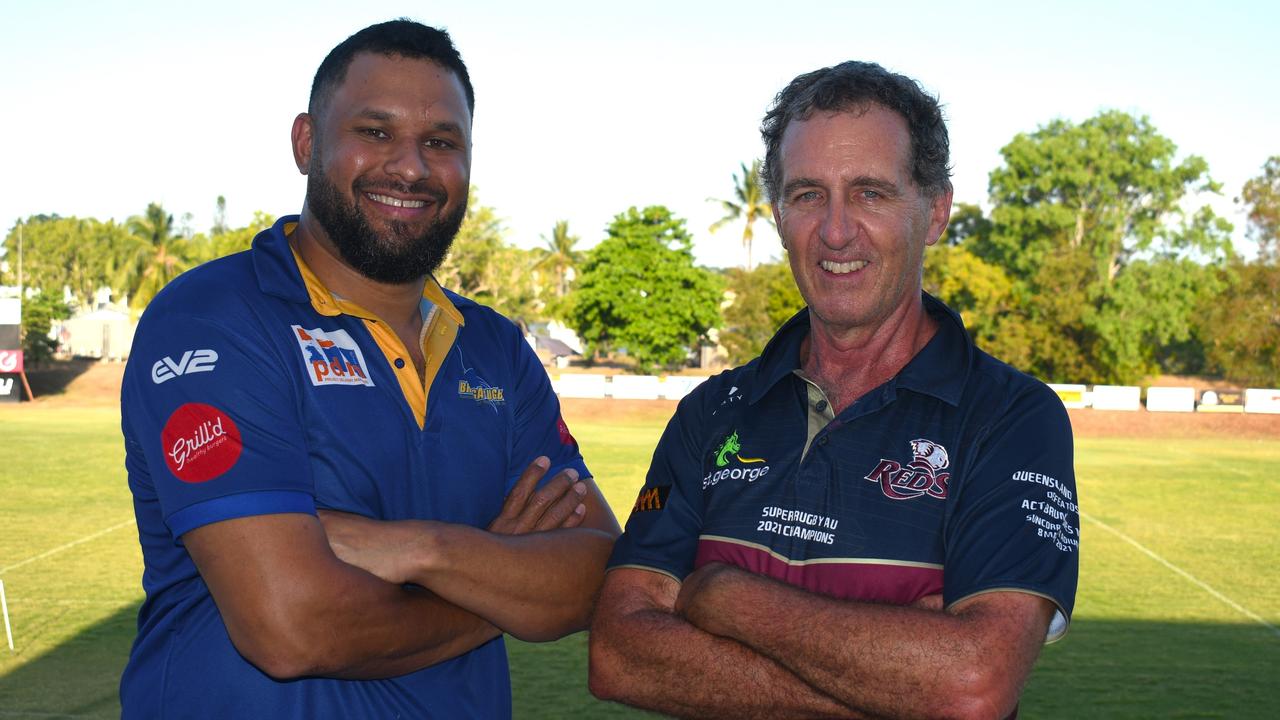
x,y
939,215
777,224
303,136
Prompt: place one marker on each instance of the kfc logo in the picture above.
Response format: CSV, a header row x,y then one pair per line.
x,y
200,442
923,475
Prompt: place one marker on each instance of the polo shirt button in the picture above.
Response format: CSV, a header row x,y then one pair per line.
x,y
399,363
822,440
822,405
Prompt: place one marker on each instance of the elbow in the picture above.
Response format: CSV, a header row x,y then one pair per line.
x,y
279,649
606,674
980,693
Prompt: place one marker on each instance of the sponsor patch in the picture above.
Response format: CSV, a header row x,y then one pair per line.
x,y
728,451
652,498
922,475
332,357
191,361
200,442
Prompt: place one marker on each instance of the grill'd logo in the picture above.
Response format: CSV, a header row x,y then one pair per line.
x,y
923,475
201,442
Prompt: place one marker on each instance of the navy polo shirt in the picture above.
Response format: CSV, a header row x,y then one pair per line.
x,y
955,476
252,390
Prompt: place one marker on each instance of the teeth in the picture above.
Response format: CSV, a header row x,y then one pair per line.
x,y
844,267
396,202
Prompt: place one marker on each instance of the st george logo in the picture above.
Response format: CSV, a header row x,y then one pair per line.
x,y
192,361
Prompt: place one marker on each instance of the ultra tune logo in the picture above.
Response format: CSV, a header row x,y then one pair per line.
x,y
921,476
332,357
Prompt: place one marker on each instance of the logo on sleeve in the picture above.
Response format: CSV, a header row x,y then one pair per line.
x,y
332,357
192,361
200,442
566,437
652,498
922,475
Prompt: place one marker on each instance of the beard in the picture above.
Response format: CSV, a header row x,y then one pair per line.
x,y
400,254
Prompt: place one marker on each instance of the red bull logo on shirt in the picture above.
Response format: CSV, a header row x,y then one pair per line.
x,y
923,475
332,357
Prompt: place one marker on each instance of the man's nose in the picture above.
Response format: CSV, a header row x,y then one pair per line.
x,y
407,163
837,228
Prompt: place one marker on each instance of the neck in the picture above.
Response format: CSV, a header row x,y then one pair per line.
x,y
849,363
396,304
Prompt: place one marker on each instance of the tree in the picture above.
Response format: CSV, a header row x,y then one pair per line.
x,y
484,267
1108,185
1084,271
219,217
1261,195
559,255
158,257
749,205
77,254
39,312
1241,325
640,292
763,299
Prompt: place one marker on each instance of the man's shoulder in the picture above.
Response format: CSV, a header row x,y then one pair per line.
x,y
997,388
215,288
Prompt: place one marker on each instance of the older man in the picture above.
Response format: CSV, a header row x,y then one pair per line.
x,y
326,370
874,517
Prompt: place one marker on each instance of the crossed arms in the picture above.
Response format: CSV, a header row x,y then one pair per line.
x,y
727,643
303,596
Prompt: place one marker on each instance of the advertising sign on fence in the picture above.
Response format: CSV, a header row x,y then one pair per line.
x,y
1171,399
1073,396
1117,397
1221,401
1262,400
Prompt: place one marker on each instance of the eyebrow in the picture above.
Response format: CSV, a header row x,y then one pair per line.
x,y
867,181
383,116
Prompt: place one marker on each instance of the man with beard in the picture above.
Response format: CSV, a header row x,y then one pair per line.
x,y
348,481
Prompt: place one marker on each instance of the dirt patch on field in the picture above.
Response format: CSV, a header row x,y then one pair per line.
x,y
90,383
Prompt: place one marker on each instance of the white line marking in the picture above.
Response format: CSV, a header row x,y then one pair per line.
x,y
69,545
1203,586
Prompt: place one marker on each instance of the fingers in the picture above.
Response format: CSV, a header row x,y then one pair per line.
x,y
929,602
518,498
566,510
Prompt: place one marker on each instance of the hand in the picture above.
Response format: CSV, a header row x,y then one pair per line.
x,y
929,602
557,504
378,546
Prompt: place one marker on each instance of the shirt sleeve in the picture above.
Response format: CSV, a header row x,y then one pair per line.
x,y
662,531
1015,523
211,421
539,427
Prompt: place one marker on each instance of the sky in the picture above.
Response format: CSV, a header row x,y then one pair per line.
x,y
584,109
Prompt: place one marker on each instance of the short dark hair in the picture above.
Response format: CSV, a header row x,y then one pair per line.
x,y
402,37
852,86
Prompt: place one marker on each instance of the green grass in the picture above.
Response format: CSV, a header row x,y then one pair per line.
x,y
1146,641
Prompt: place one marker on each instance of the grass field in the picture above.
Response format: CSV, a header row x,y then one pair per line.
x,y
1176,616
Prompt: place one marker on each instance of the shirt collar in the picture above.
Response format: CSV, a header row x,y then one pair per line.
x,y
940,368
282,273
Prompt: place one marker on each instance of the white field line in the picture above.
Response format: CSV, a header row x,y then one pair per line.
x,y
1195,581
68,546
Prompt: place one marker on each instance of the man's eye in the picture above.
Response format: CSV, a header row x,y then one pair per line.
x,y
807,196
871,194
439,144
373,133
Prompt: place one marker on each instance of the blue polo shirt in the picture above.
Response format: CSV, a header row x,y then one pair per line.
x,y
956,477
252,390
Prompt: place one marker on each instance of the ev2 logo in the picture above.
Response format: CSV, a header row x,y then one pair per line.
x,y
193,361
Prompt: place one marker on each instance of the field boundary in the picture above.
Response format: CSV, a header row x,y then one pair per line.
x,y
1193,579
67,546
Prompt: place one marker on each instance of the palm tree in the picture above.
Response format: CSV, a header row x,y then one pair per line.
x,y
749,204
157,257
559,255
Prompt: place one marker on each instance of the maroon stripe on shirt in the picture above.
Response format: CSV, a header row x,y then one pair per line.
x,y
867,580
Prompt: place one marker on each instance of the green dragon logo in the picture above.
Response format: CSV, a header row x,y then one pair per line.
x,y
731,446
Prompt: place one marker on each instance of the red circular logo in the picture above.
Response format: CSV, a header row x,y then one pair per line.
x,y
200,442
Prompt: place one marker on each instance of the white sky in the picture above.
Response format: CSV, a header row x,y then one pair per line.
x,y
586,108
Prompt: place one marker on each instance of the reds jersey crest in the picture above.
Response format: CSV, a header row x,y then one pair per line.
x,y
922,475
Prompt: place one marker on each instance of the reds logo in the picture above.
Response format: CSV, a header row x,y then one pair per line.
x,y
921,476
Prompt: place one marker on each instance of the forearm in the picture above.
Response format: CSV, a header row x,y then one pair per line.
x,y
650,658
943,664
293,609
537,587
